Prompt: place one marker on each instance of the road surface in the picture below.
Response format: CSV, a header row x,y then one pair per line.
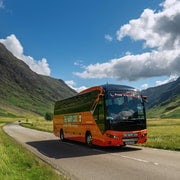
x,y
77,161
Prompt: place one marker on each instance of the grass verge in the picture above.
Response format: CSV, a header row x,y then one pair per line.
x,y
38,123
164,134
18,163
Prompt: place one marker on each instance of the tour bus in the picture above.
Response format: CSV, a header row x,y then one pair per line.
x,y
107,115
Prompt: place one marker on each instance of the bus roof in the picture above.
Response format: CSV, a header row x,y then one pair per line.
x,y
116,87
110,87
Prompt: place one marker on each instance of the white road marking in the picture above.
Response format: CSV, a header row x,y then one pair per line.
x,y
136,159
140,160
128,157
156,164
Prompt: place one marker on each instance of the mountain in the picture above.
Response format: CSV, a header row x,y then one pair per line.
x,y
164,100
21,87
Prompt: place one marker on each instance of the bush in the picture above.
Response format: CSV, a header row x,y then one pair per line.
x,y
48,116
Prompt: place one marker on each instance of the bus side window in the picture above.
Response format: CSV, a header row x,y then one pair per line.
x,y
99,115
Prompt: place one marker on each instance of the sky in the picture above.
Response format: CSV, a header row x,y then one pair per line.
x,y
89,42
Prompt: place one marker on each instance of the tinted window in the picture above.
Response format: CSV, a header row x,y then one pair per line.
x,y
79,103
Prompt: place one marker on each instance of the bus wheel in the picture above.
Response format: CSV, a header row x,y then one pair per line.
x,y
89,139
61,135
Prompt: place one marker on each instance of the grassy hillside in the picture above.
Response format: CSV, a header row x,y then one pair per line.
x,y
166,110
162,94
164,100
23,88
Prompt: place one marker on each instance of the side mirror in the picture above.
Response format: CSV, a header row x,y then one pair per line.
x,y
100,97
144,98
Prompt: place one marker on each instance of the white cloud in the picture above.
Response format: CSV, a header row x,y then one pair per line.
x,y
144,86
159,30
79,63
170,79
134,67
128,53
14,46
81,88
72,84
108,37
1,4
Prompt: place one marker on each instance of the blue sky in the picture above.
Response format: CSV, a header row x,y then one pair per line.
x,y
89,43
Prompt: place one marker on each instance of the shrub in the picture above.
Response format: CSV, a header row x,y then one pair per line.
x,y
48,116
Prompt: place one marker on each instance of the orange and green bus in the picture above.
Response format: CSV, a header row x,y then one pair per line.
x,y
107,115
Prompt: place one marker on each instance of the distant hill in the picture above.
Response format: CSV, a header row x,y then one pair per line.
x,y
164,100
23,88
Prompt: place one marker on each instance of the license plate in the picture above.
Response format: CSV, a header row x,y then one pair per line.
x,y
130,143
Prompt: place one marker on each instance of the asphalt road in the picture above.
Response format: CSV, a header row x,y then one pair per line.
x,y
77,161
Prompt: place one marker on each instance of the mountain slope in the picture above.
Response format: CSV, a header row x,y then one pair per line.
x,y
22,87
164,100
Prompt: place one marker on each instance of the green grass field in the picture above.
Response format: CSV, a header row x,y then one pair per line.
x,y
38,123
18,163
164,134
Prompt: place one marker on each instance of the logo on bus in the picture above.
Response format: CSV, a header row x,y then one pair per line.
x,y
72,118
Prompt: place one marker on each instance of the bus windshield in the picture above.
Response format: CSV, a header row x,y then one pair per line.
x,y
124,107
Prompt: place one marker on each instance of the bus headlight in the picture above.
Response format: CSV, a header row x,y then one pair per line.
x,y
144,135
112,136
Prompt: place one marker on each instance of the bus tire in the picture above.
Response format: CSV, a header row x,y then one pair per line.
x,y
89,139
61,135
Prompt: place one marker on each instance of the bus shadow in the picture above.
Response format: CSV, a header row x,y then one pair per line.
x,y
56,149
